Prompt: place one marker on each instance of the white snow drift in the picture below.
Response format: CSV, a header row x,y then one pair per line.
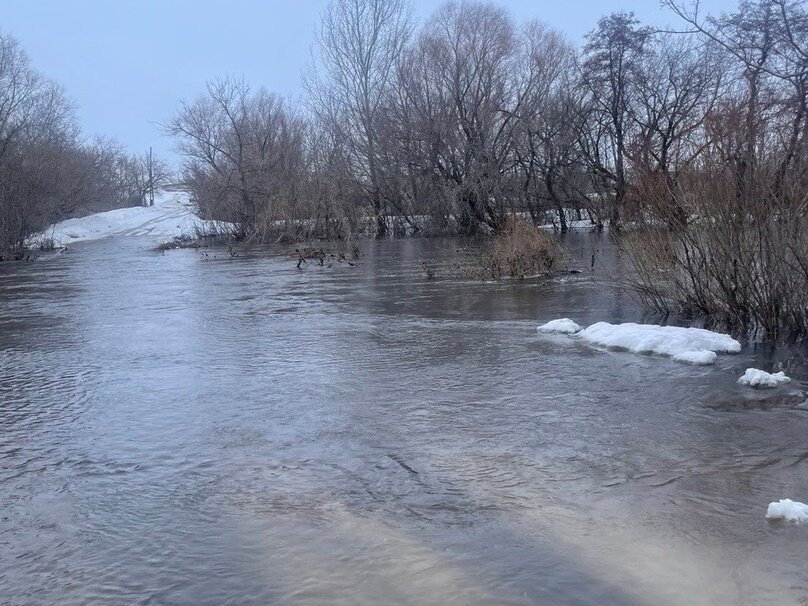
x,y
564,326
173,214
689,345
754,377
788,510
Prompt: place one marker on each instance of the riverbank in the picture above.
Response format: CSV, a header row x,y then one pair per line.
x,y
173,215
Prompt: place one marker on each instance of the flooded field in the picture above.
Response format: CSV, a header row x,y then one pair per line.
x,y
191,429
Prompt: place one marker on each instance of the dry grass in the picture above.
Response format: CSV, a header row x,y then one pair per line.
x,y
521,250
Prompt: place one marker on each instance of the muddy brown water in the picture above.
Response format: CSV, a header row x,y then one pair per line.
x,y
181,429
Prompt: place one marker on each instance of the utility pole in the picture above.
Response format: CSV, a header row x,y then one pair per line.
x,y
151,179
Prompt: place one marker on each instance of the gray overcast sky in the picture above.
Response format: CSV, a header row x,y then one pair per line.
x,y
126,63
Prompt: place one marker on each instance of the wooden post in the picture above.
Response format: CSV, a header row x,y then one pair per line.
x,y
151,179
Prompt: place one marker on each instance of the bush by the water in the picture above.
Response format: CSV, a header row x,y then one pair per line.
x,y
741,260
521,250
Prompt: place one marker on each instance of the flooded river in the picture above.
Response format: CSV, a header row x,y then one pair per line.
x,y
183,429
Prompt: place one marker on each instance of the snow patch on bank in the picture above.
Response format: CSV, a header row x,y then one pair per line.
x,y
688,345
754,377
788,510
172,215
564,326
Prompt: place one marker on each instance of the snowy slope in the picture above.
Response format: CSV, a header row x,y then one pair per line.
x,y
172,215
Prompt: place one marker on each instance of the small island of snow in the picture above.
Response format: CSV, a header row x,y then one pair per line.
x,y
688,345
691,345
754,377
788,510
564,326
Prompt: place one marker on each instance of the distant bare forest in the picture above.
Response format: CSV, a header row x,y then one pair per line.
x,y
48,169
690,142
456,124
693,140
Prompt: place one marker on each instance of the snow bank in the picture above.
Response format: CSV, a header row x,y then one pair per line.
x,y
692,345
754,377
564,326
788,510
173,214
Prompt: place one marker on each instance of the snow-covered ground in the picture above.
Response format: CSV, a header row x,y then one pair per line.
x,y
173,214
788,510
689,345
754,377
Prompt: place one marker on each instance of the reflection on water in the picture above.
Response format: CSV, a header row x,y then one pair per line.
x,y
176,429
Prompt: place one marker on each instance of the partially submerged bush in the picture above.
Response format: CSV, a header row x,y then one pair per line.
x,y
650,250
183,241
20,254
218,233
521,250
209,233
321,256
740,259
46,244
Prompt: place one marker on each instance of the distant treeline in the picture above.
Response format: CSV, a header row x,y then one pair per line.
x,y
48,169
458,123
691,141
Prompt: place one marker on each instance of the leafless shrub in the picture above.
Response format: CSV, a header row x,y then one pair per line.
x,y
740,261
650,250
732,196
521,250
183,241
219,232
47,244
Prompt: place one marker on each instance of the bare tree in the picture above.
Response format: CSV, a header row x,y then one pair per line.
x,y
547,160
360,42
47,170
140,174
245,157
677,87
743,258
611,58
461,93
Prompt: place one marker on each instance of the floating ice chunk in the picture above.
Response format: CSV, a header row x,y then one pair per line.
x,y
754,377
690,345
564,326
788,510
702,357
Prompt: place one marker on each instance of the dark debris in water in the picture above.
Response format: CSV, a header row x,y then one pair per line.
x,y
758,401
